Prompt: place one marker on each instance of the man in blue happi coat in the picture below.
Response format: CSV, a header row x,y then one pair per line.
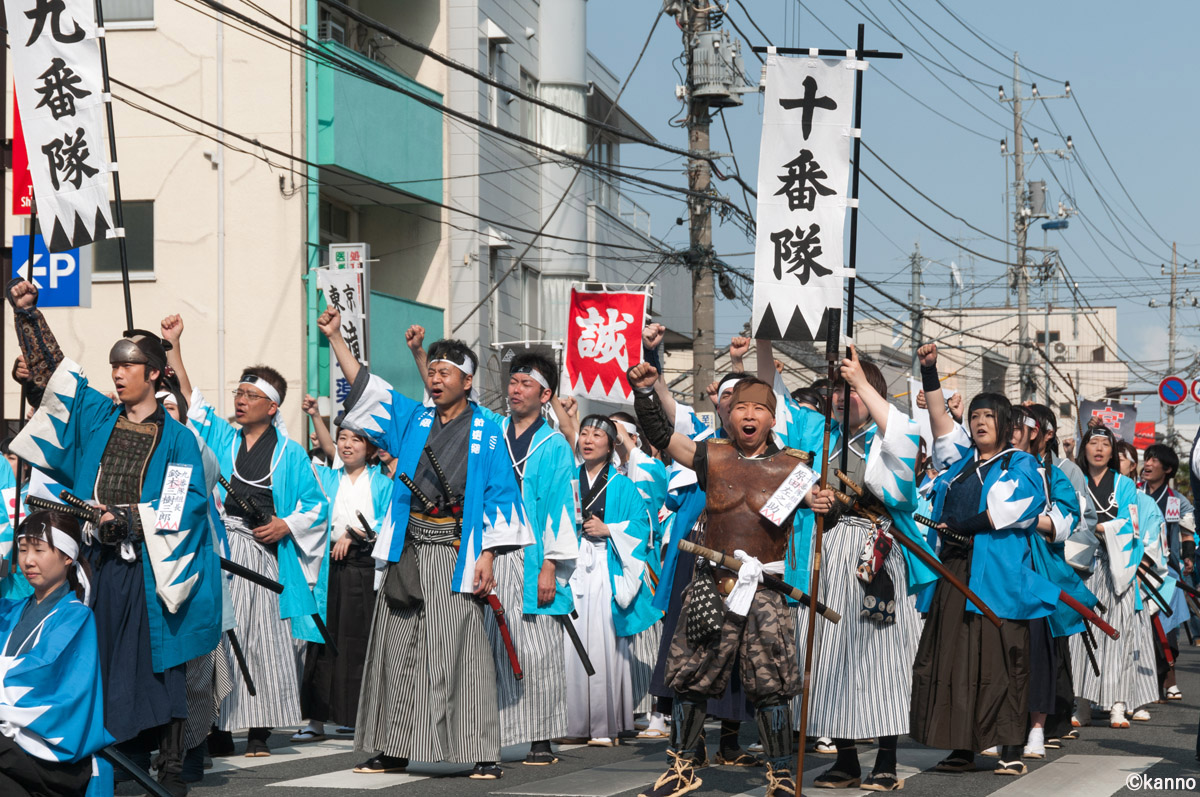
x,y
156,586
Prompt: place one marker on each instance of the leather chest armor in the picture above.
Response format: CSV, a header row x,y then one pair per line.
x,y
737,488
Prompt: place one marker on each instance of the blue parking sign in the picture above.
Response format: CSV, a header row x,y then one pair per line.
x,y
59,276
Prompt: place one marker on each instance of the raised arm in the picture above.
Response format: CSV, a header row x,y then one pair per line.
x,y
876,404
764,353
172,331
658,428
738,348
324,438
38,345
940,422
330,324
652,336
566,410
415,339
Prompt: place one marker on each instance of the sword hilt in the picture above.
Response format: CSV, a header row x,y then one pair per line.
x,y
849,484
430,506
453,500
253,514
37,502
82,508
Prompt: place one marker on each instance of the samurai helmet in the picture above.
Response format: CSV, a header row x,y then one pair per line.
x,y
140,346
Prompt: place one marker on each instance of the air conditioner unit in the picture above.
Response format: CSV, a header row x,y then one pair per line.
x,y
1060,349
328,30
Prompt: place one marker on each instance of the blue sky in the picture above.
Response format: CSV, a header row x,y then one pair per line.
x,y
1133,76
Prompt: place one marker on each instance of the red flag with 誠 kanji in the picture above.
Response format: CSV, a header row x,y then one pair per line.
x,y
604,338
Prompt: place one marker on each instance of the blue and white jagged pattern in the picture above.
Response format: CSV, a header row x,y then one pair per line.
x,y
51,703
493,512
628,522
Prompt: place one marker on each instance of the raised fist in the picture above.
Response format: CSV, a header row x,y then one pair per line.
x,y
642,375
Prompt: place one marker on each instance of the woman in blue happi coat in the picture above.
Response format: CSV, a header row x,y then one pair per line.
x,y
610,588
1111,551
358,494
971,679
51,698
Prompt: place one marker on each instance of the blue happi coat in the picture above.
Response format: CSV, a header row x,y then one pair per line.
x,y
628,523
649,475
66,439
890,475
381,498
1066,513
1014,495
548,488
1121,538
51,694
298,501
493,511
1151,527
13,585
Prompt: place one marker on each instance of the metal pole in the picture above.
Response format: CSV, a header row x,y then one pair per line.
x,y
916,315
858,92
118,214
1024,378
1171,349
704,345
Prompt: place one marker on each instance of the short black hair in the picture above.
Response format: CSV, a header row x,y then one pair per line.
x,y
1049,424
1165,455
538,362
1002,408
454,350
807,395
268,375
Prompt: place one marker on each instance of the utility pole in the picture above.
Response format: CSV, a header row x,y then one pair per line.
x,y
1171,349
700,220
916,315
1021,217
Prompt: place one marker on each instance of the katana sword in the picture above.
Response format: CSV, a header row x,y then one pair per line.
x,y
254,515
771,582
431,508
236,647
576,642
498,612
144,778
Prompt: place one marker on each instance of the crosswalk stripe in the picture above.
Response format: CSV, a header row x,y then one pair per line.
x,y
911,762
602,781
417,771
281,755
1087,775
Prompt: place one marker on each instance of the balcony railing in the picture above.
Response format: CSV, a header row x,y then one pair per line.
x,y
607,195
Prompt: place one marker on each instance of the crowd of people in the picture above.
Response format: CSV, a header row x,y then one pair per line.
x,y
438,580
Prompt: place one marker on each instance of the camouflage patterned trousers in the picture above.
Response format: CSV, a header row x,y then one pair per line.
x,y
765,640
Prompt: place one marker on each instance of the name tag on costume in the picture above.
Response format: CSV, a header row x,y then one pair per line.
x,y
174,497
1172,513
789,495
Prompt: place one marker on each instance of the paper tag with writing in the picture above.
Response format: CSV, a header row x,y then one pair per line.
x,y
789,495
174,496
578,502
1172,514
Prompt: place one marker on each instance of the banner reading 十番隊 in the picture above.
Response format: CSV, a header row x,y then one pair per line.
x,y
57,73
803,177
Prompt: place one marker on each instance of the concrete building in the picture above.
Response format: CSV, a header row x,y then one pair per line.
x,y
446,206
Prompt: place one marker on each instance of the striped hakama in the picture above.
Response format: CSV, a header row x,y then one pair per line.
x,y
429,684
209,681
862,671
266,642
534,708
643,655
600,706
1127,670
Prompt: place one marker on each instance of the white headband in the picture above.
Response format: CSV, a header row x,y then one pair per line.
x,y
65,543
629,427
166,397
467,368
1030,422
532,373
729,378
268,390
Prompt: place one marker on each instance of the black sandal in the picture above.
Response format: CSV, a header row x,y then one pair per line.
x,y
955,764
540,759
836,779
381,764
486,770
883,781
1011,768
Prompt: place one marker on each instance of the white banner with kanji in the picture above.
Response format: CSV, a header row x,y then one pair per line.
x,y
803,177
604,338
56,70
344,288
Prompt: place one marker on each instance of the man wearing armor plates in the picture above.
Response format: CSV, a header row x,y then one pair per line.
x,y
156,580
738,476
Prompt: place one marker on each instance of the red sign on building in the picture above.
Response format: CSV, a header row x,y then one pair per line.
x,y
22,187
